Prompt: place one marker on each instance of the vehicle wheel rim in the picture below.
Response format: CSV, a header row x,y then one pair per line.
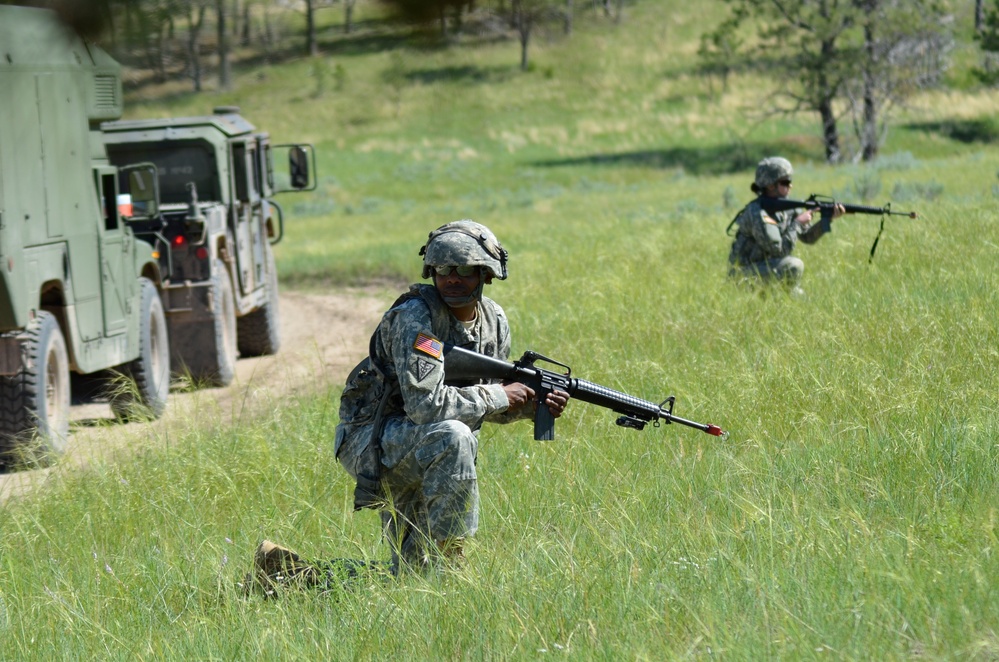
x,y
55,401
158,361
229,326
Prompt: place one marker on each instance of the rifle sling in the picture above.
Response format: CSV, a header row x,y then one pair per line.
x,y
728,230
874,246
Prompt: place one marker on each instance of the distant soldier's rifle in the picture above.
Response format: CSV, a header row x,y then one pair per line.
x,y
826,206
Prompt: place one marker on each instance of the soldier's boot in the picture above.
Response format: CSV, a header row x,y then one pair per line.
x,y
276,566
451,551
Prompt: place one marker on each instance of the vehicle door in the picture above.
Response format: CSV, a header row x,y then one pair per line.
x,y
115,248
248,215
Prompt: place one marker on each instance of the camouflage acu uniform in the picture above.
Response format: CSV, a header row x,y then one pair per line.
x,y
430,437
764,242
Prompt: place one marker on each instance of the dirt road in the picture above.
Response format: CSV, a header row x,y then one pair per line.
x,y
323,336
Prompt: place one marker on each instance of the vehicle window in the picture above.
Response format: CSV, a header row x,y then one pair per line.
x,y
178,163
109,201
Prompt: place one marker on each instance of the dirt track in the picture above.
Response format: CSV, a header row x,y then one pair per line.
x,y
323,336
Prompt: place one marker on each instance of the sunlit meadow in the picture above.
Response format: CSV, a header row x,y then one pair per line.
x,y
851,512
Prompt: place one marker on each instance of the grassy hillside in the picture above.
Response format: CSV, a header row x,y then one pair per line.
x,y
851,511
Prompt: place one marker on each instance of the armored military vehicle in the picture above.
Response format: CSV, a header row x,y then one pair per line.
x,y
213,235
78,291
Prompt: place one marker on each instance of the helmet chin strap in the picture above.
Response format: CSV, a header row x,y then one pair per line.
x,y
459,302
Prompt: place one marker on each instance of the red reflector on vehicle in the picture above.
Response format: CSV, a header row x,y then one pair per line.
x,y
201,253
178,240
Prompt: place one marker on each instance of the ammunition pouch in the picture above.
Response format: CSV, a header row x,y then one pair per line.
x,y
365,381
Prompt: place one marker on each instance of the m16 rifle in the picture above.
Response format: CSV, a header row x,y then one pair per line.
x,y
826,206
462,366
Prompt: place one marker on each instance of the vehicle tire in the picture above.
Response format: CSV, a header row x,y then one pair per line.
x,y
206,349
219,367
259,332
145,395
34,404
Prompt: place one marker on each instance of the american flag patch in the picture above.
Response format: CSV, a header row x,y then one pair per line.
x,y
428,345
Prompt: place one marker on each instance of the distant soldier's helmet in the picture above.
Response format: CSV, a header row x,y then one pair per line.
x,y
462,243
771,170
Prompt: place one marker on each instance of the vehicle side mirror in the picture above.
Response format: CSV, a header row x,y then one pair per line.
x,y
298,166
140,194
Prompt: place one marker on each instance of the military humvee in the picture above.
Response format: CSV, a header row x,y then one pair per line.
x,y
78,291
213,235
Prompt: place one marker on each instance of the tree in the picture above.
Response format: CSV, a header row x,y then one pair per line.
x,y
526,16
905,47
196,10
988,39
805,47
719,49
426,12
348,15
311,45
869,54
225,70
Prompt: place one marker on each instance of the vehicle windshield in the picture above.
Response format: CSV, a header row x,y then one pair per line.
x,y
178,163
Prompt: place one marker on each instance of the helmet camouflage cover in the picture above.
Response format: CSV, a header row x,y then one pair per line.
x,y
771,170
462,243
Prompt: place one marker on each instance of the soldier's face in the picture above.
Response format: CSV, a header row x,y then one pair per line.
x,y
459,292
457,286
782,188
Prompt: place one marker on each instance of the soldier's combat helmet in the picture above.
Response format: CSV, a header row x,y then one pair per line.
x,y
770,171
464,243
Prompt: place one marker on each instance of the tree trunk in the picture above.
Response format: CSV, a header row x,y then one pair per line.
x,y
161,52
268,30
979,15
311,46
869,122
244,36
225,73
524,30
826,92
567,26
869,116
194,46
830,133
348,16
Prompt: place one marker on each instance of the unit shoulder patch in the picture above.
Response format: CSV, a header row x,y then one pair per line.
x,y
422,368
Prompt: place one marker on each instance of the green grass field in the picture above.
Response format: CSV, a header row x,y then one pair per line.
x,y
851,513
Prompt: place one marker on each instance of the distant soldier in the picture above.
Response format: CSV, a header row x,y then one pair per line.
x,y
407,438
764,241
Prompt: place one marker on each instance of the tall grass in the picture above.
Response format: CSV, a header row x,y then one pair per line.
x,y
851,511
